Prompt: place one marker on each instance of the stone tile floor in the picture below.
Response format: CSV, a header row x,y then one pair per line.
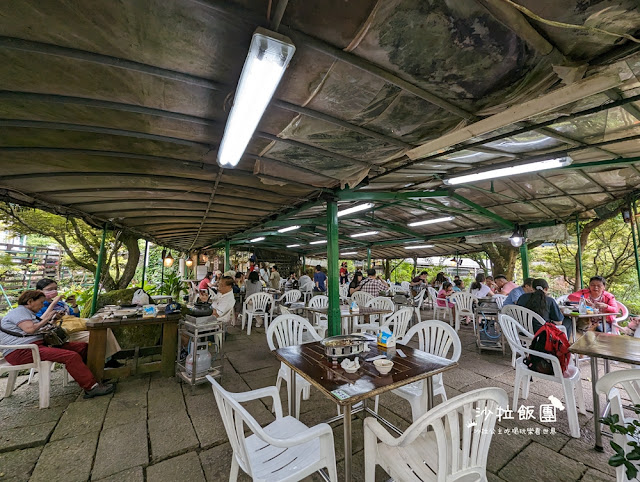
x,y
156,429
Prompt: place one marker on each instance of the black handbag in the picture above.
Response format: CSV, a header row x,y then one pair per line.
x,y
53,334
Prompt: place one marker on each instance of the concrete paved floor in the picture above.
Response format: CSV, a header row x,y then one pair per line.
x,y
156,429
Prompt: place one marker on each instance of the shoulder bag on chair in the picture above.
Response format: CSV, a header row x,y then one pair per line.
x,y
53,334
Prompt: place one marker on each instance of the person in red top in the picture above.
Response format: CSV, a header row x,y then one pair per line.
x,y
443,297
343,273
206,281
597,297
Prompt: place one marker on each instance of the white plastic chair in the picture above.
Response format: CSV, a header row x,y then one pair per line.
x,y
571,386
520,332
361,298
344,290
288,330
456,447
307,291
630,382
405,286
291,296
437,338
464,307
524,316
398,322
499,300
284,450
42,367
257,304
561,299
417,301
283,281
624,314
320,320
375,321
441,305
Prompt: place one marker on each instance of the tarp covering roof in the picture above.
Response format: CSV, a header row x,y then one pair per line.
x,y
114,111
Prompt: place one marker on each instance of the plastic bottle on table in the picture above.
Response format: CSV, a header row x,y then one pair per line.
x,y
582,306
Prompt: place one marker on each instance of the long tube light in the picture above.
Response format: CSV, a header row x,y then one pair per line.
x,y
292,245
322,241
348,253
422,246
366,233
432,221
289,228
255,240
268,57
355,209
510,171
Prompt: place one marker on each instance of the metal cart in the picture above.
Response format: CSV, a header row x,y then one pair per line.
x,y
203,333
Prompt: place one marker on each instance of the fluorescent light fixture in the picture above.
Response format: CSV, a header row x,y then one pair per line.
x,y
348,253
510,171
292,245
432,221
322,241
290,228
255,240
366,233
355,209
420,246
268,57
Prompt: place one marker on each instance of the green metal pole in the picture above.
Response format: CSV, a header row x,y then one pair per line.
x,y
369,257
524,256
579,252
634,222
333,253
96,281
6,297
227,259
144,263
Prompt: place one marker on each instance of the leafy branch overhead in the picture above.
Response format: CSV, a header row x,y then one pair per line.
x,y
81,242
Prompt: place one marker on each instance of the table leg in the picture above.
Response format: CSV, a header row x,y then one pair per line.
x,y
96,352
293,401
596,403
169,342
347,442
429,386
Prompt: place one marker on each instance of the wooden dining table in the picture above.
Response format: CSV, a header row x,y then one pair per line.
x,y
596,345
346,315
310,362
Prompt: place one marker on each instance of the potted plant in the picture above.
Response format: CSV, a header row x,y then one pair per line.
x,y
628,456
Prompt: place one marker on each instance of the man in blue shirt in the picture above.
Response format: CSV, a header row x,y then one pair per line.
x,y
515,293
320,280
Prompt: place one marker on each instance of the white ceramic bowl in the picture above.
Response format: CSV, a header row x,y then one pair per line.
x,y
383,365
351,370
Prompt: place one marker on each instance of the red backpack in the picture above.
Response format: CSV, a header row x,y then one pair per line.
x,y
549,339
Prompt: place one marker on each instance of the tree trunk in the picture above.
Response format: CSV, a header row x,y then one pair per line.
x,y
585,231
387,269
129,271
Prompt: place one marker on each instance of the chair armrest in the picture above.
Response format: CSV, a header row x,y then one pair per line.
x,y
31,346
379,431
312,433
260,393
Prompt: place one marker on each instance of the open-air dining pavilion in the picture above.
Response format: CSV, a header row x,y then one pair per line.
x,y
360,130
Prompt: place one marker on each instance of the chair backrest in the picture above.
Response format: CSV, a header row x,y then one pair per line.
x,y
464,302
433,294
435,337
361,298
292,296
419,298
406,286
393,288
561,299
524,316
283,281
624,313
398,322
514,332
306,288
287,330
235,417
499,300
259,301
463,429
381,302
320,301
344,289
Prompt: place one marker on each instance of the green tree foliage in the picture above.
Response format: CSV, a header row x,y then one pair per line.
x,y
81,242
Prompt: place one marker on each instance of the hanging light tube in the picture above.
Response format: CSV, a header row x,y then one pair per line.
x,y
322,241
432,221
292,245
289,228
355,209
268,57
366,233
421,246
509,171
255,240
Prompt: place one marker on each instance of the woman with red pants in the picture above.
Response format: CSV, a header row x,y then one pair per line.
x,y
20,326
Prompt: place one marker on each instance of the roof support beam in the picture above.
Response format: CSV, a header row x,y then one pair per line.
x,y
482,211
349,195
